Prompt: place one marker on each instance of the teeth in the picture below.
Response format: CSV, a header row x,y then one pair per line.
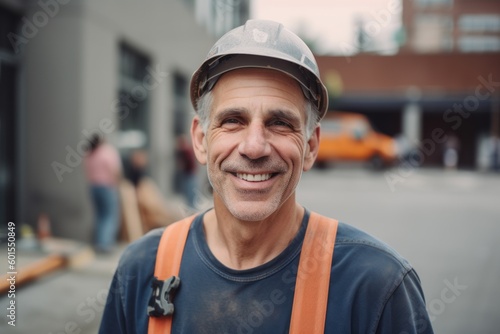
x,y
254,177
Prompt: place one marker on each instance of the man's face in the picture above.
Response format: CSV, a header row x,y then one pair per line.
x,y
255,145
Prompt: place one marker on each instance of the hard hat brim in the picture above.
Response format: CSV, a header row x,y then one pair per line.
x,y
205,78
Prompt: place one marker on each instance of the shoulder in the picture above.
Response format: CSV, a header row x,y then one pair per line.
x,y
357,242
371,284
130,289
140,255
369,261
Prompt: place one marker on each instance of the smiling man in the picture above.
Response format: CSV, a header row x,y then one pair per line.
x,y
258,261
255,145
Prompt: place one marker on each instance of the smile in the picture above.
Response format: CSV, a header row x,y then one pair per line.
x,y
254,177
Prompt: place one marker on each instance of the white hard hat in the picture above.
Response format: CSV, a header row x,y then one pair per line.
x,y
262,44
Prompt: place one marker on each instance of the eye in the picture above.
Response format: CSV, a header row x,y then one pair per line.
x,y
230,121
280,123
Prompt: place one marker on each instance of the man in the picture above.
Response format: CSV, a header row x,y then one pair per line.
x,y
259,99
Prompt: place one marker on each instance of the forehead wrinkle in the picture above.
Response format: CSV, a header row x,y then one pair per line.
x,y
288,101
263,92
281,92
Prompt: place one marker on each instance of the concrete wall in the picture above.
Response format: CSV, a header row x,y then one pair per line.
x,y
53,80
70,70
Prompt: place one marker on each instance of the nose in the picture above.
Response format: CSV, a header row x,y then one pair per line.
x,y
255,145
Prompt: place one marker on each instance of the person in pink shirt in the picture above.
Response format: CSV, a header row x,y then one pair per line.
x,y
103,170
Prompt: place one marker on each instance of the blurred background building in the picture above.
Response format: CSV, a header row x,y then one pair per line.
x,y
434,26
220,16
73,68
445,76
122,68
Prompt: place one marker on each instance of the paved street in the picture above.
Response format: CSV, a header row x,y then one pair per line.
x,y
447,224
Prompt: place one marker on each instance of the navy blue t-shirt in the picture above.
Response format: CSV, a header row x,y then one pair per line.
x,y
372,290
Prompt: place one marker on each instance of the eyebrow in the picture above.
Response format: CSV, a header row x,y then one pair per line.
x,y
285,114
273,113
225,113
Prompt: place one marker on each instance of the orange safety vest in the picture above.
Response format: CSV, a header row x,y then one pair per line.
x,y
309,306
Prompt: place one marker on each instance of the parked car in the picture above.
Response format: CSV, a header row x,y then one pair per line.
x,y
349,136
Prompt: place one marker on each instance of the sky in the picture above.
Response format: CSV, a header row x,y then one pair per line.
x,y
332,23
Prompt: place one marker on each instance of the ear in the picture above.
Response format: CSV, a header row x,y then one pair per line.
x,y
312,147
199,142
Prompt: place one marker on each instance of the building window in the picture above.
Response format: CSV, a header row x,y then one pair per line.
x,y
181,100
133,99
479,23
220,16
433,33
479,43
181,110
190,3
434,3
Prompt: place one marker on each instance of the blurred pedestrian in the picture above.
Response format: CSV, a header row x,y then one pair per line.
x,y
103,169
138,163
187,167
451,152
495,153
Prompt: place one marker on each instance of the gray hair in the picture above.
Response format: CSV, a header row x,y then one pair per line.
x,y
204,107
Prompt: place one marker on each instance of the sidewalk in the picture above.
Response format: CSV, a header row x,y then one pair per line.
x,y
68,300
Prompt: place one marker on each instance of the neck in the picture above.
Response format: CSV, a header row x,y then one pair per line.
x,y
247,244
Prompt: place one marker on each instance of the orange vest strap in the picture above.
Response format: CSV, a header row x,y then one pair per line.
x,y
309,304
168,263
313,276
